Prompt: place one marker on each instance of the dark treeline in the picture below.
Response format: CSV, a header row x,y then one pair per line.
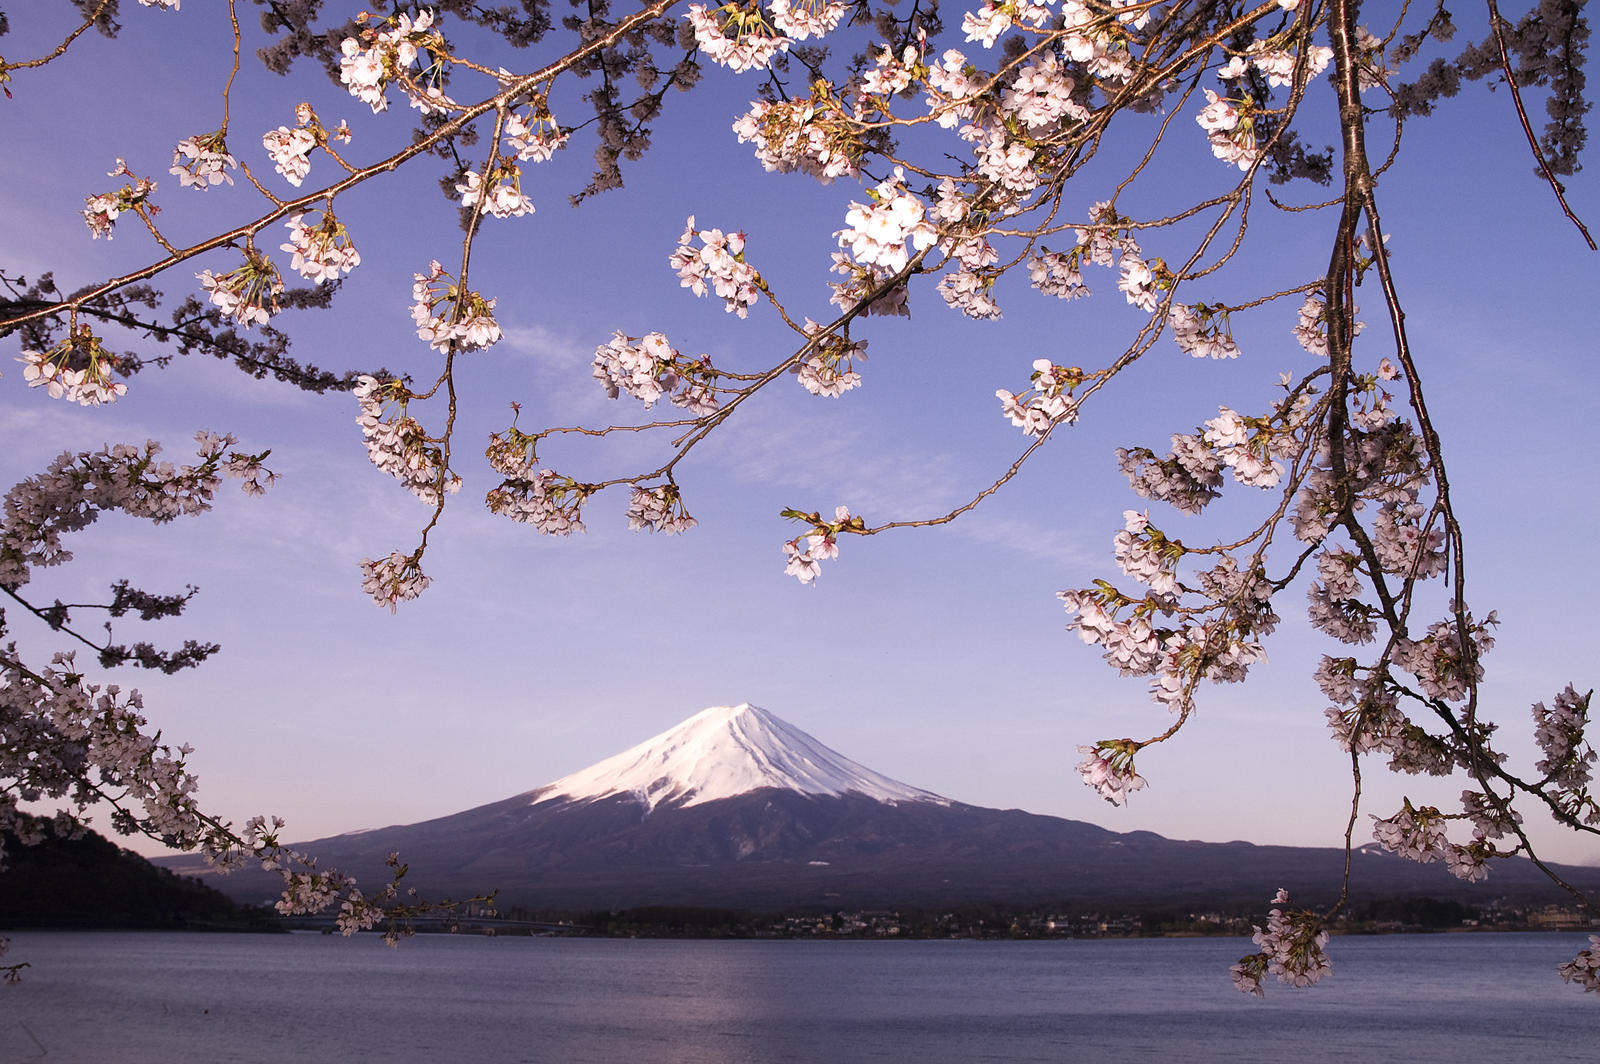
x,y
90,882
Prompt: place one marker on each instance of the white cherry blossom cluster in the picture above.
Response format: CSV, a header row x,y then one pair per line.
x,y
87,384
1002,158
1335,599
76,488
719,260
1403,544
803,19
1057,273
1189,477
891,75
1042,95
1133,646
1438,662
320,252
970,292
658,509
1584,969
1248,447
68,738
1415,834
1107,235
1390,466
879,231
861,282
822,544
829,370
290,151
1048,400
202,160
952,83
105,747
397,444
991,20
1221,651
1559,731
1312,329
1491,820
1275,62
501,194
101,212
1113,777
1202,331
389,53
752,45
1375,724
551,503
1419,835
535,138
1371,68
390,581
444,317
1144,553
249,294
799,135
649,368
1230,128
1291,949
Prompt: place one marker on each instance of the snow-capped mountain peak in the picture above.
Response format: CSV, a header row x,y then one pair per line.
x,y
723,752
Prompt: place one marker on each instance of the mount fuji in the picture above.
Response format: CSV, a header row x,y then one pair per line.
x,y
722,753
736,807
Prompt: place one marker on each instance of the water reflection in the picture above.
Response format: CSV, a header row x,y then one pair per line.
x,y
153,997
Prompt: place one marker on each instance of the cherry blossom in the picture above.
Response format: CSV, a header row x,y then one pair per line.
x,y
1230,129
249,294
796,135
290,150
649,368
830,369
719,260
390,581
504,197
752,46
322,252
658,509
366,72
535,142
1112,777
87,385
397,444
806,18
1291,949
1202,331
879,230
1048,400
445,316
101,211
1057,274
208,161
805,563
1584,969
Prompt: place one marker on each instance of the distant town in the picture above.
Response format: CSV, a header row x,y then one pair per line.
x,y
1408,916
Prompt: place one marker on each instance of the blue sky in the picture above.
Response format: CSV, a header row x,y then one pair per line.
x,y
935,656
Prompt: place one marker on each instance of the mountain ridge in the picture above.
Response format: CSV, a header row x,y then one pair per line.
x,y
736,807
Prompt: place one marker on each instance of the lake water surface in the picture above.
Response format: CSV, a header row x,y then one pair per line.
x,y
137,997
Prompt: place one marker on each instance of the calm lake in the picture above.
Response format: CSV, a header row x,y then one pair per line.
x,y
130,998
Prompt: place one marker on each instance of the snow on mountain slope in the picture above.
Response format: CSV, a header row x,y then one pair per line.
x,y
723,752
